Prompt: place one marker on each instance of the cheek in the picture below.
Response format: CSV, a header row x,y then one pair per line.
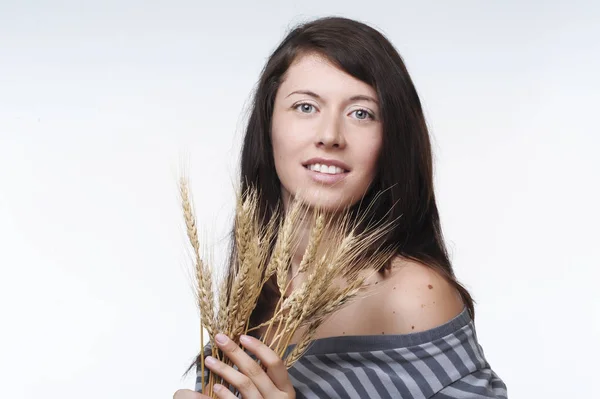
x,y
287,137
369,154
281,145
278,138
286,147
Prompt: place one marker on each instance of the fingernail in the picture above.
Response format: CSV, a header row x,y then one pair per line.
x,y
217,387
221,338
210,361
244,339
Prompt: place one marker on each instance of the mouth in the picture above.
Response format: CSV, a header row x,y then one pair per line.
x,y
326,166
326,172
325,169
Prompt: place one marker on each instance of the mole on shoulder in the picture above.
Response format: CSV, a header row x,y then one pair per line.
x,y
393,311
430,286
382,332
413,327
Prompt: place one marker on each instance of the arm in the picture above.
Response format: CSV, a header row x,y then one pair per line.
x,y
416,298
422,299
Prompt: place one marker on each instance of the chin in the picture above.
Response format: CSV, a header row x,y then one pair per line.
x,y
327,201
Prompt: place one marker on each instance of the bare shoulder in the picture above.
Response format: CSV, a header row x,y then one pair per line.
x,y
417,298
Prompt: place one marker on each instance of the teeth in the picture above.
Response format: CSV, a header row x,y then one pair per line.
x,y
330,170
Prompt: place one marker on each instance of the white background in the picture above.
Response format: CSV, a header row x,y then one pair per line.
x,y
100,100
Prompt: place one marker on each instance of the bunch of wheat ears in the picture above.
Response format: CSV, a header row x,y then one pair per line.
x,y
333,271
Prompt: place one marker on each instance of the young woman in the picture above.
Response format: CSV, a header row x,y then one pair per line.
x,y
336,119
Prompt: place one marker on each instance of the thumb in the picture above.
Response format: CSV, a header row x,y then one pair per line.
x,y
187,394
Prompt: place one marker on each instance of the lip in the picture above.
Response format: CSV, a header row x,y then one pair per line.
x,y
326,178
325,161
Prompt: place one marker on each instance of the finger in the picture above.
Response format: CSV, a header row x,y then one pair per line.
x,y
222,392
187,394
276,370
242,382
247,366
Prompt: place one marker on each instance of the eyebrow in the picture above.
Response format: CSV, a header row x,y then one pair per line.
x,y
359,97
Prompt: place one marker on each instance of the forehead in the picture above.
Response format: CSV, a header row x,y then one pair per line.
x,y
316,73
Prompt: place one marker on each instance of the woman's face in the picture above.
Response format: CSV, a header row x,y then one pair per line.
x,y
326,134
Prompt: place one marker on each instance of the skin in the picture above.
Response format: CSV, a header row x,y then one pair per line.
x,y
340,123
315,115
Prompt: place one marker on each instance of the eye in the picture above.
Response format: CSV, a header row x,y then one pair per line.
x,y
305,108
362,114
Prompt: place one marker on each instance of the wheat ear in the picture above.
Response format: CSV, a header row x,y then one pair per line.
x,y
282,253
302,345
313,243
204,282
244,231
283,248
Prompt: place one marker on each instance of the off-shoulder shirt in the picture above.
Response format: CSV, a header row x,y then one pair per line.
x,y
441,363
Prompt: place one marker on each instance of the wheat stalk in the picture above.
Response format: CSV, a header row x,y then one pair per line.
x,y
283,249
334,267
313,243
302,346
203,276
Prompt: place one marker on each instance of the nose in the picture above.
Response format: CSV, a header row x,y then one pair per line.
x,y
330,133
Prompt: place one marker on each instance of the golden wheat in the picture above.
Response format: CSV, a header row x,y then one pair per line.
x,y
313,243
203,277
333,269
302,345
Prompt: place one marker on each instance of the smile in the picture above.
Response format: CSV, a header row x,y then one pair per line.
x,y
328,175
327,169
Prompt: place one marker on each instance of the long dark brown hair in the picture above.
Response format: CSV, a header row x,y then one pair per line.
x,y
403,187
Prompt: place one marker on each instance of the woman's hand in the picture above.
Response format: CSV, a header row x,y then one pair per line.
x,y
251,380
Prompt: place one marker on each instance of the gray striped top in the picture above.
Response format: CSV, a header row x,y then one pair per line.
x,y
442,363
